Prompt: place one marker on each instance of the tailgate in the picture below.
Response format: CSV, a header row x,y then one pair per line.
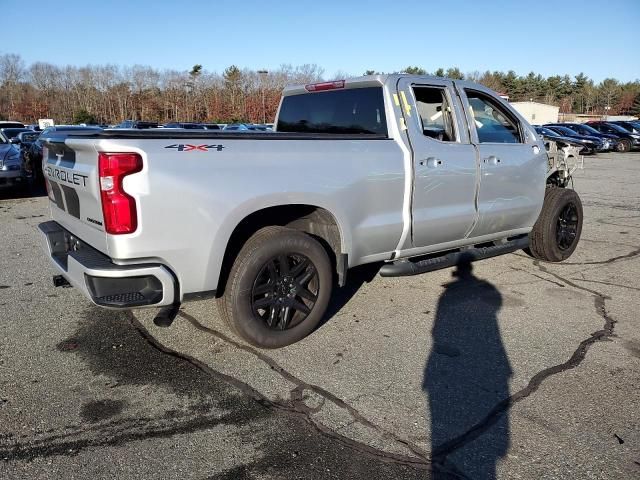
x,y
70,166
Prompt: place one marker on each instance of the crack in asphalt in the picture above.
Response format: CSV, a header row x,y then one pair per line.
x,y
627,256
617,258
112,434
604,222
606,283
557,284
440,453
295,405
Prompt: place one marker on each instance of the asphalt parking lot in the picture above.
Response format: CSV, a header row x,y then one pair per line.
x,y
517,369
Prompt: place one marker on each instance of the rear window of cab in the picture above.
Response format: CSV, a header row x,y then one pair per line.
x,y
349,111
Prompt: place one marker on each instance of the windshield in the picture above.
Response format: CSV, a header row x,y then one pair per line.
x,y
617,128
565,130
628,126
13,132
590,130
546,131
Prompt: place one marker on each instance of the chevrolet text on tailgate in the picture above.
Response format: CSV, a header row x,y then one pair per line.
x,y
417,173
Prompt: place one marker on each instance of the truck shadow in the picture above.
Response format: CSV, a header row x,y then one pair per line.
x,y
357,277
467,373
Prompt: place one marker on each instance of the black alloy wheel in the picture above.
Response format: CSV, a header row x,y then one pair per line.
x,y
567,226
278,288
285,291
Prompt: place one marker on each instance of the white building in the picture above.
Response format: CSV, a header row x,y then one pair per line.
x,y
537,113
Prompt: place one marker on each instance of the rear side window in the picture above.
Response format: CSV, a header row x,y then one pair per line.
x,y
350,111
435,113
493,122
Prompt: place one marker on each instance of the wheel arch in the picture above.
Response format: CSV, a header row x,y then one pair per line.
x,y
317,220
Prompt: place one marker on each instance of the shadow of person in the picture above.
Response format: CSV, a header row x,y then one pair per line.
x,y
467,374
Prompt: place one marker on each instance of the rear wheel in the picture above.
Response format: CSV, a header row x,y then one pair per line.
x,y
557,231
623,146
278,288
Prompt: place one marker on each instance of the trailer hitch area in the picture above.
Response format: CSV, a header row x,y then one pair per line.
x,y
60,281
167,315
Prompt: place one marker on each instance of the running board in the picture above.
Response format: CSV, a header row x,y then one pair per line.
x,y
407,267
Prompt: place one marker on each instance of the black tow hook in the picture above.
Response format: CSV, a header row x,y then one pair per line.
x,y
60,281
167,315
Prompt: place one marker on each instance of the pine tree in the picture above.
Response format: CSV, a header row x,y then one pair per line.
x,y
415,70
635,108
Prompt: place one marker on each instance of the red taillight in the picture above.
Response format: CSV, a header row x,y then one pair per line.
x,y
118,208
319,87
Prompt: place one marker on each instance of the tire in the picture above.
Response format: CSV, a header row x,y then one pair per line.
x,y
623,146
556,233
268,301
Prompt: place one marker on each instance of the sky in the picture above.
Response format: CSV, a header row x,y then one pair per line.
x,y
599,38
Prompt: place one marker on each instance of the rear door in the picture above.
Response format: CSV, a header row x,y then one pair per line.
x,y
444,161
513,164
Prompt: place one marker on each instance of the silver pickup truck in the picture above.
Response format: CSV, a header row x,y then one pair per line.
x,y
415,172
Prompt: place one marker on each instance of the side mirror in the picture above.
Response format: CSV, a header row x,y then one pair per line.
x,y
15,140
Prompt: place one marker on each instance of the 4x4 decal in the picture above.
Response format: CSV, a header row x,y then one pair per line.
x,y
181,147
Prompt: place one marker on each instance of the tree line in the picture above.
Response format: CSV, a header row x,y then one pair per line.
x,y
111,93
579,94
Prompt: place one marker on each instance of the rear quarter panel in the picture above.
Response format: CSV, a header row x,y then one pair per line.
x,y
189,202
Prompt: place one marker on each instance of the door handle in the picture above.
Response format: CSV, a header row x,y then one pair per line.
x,y
492,160
431,162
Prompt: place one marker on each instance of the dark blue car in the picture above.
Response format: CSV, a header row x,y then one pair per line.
x,y
584,129
591,144
627,140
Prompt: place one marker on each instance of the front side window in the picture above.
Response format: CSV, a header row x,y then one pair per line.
x,y
493,123
435,113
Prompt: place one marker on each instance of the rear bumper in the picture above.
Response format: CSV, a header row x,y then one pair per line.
x,y
100,279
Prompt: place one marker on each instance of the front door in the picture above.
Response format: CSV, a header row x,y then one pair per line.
x,y
513,165
444,160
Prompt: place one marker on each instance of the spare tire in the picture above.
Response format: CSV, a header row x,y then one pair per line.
x,y
556,233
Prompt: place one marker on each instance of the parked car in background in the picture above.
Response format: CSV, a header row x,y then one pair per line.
x,y
630,126
24,140
139,124
584,129
211,126
6,124
27,138
185,125
627,140
591,144
12,132
33,156
548,134
245,127
12,171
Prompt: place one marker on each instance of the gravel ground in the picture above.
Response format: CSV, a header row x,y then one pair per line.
x,y
518,369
